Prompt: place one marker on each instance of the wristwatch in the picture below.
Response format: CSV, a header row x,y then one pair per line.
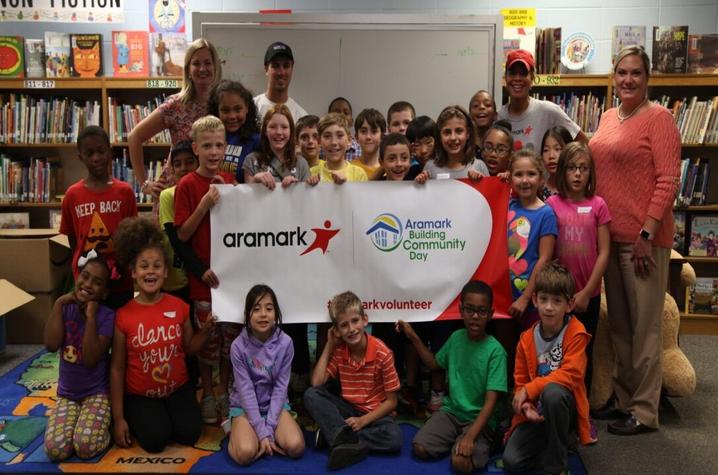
x,y
646,235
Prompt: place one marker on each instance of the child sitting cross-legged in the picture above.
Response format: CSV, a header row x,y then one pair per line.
x,y
360,420
475,365
550,396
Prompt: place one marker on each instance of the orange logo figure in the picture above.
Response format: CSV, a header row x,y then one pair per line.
x,y
98,237
322,238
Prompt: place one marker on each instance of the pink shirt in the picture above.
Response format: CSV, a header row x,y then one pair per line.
x,y
637,171
577,241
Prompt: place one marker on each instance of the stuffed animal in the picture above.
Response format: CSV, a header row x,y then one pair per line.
x,y
679,377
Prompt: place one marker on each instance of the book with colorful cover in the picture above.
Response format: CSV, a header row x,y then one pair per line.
x,y
12,57
167,51
86,55
679,233
703,54
704,236
670,49
130,54
704,296
35,58
627,35
57,54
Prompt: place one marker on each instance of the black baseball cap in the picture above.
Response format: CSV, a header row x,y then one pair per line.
x,y
278,49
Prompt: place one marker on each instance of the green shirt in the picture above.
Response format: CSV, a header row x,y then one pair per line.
x,y
472,367
176,277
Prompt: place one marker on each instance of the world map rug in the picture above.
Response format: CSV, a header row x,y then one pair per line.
x,y
29,390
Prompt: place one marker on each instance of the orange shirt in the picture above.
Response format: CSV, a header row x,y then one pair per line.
x,y
365,383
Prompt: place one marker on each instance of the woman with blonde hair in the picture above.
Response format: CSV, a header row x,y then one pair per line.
x,y
202,69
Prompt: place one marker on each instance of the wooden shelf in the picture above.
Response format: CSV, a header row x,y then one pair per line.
x,y
683,80
51,205
697,208
60,83
698,324
701,259
700,145
39,145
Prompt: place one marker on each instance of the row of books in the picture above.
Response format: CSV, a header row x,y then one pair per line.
x,y
703,296
584,109
697,120
548,50
703,232
31,181
695,189
31,120
674,49
122,171
124,118
80,55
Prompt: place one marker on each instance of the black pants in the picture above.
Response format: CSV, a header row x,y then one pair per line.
x,y
544,444
589,318
154,422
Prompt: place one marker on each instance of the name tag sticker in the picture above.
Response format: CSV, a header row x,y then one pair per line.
x,y
443,176
584,209
172,314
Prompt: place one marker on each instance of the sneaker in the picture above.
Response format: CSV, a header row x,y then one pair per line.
x,y
344,455
437,398
208,407
346,435
593,430
319,442
223,407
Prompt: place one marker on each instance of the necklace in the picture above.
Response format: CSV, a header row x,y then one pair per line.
x,y
621,118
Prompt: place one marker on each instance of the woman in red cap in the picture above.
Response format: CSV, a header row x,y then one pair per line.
x,y
530,118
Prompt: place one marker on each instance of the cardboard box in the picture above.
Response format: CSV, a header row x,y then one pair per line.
x,y
11,298
26,324
36,260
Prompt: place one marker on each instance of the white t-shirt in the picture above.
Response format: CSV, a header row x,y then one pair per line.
x,y
442,173
264,104
528,128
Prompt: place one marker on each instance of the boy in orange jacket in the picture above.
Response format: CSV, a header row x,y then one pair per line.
x,y
550,399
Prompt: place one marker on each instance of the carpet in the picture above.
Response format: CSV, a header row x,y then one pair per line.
x,y
28,391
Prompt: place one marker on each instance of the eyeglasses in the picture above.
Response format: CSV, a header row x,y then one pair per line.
x,y
469,311
499,149
581,168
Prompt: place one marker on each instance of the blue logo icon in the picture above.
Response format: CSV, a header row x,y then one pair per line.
x,y
386,232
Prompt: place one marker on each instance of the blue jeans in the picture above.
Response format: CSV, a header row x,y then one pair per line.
x,y
329,412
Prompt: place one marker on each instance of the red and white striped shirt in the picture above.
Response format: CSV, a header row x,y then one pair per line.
x,y
365,383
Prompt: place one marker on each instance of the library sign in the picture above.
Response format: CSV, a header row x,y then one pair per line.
x,y
405,249
63,11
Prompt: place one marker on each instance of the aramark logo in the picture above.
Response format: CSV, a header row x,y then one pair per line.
x,y
386,232
289,238
418,237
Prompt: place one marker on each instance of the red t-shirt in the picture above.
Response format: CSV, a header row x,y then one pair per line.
x,y
154,344
189,192
92,216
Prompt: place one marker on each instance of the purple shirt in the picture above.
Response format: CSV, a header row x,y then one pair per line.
x,y
261,378
577,241
76,381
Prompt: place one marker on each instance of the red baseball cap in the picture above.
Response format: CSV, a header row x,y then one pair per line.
x,y
520,56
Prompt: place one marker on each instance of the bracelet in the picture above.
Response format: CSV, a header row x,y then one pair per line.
x,y
144,184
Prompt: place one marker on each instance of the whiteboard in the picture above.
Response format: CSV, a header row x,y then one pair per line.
x,y
372,60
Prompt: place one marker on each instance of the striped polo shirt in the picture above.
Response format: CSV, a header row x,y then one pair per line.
x,y
365,383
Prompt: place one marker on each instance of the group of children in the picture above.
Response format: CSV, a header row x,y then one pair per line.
x,y
145,391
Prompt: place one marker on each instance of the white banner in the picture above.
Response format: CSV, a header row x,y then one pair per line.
x,y
405,249
63,11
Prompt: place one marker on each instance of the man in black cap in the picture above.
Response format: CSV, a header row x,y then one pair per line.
x,y
278,67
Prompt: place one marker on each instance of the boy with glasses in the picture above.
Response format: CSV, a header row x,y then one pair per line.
x,y
475,364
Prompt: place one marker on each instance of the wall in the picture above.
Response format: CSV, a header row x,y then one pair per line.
x,y
593,17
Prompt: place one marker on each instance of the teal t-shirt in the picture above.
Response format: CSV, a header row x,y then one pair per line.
x,y
472,367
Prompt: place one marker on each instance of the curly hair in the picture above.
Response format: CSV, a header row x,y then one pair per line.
x,y
226,86
134,235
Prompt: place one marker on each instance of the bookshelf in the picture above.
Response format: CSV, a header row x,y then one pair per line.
x,y
125,91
